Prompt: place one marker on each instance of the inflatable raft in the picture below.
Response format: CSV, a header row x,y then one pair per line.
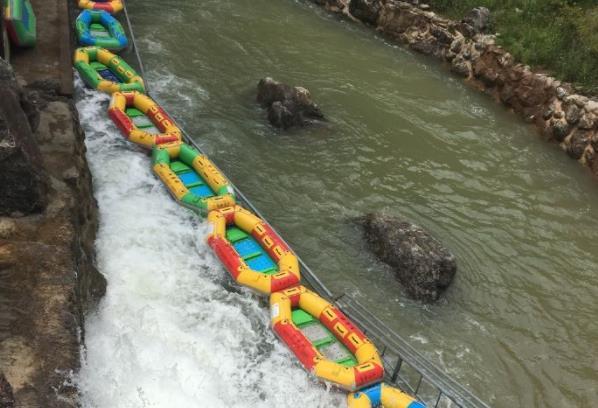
x,y
191,178
254,255
102,70
324,340
20,23
382,396
142,120
99,28
112,7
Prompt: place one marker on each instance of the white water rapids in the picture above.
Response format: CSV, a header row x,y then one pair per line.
x,y
172,330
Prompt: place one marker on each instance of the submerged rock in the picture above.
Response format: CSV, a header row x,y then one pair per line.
x,y
421,263
287,106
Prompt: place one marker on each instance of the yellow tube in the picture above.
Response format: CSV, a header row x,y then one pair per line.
x,y
360,401
208,171
170,179
288,262
280,308
394,398
218,223
367,352
118,101
254,280
81,56
313,304
218,202
336,373
104,56
143,102
246,220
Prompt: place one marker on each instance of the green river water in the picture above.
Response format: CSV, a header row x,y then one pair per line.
x,y
518,326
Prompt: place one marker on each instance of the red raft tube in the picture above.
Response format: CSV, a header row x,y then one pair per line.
x,y
251,251
324,340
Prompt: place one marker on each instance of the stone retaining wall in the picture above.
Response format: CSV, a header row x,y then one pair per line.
x,y
560,114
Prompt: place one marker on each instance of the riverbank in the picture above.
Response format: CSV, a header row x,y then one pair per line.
x,y
48,219
557,111
558,35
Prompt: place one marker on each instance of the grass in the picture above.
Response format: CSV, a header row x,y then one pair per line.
x,y
559,36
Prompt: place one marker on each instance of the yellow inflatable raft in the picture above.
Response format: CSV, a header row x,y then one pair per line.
x,y
251,251
324,339
142,120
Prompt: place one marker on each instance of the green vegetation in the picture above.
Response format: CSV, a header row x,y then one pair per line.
x,y
559,36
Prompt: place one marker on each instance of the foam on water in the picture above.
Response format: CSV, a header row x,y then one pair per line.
x,y
172,330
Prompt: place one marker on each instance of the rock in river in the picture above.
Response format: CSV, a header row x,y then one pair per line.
x,y
421,263
287,105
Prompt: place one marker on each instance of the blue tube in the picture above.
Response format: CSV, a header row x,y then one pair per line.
x,y
117,39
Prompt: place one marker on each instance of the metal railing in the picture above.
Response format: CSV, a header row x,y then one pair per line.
x,y
405,367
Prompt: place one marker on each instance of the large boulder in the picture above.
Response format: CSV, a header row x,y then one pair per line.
x,y
287,106
23,184
422,264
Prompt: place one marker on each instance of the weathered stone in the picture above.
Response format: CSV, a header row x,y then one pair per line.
x,y
560,129
506,94
506,60
592,106
531,96
47,277
577,144
287,106
457,45
478,18
572,114
579,100
486,73
460,66
442,35
547,113
423,266
587,121
365,10
423,47
7,399
561,93
23,183
559,114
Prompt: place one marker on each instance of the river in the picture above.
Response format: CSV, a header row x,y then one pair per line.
x,y
518,326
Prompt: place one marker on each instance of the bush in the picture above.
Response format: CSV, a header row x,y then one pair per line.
x,y
559,36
